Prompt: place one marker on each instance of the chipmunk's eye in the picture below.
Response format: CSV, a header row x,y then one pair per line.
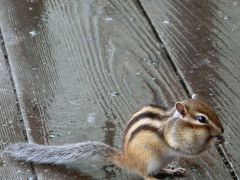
x,y
201,119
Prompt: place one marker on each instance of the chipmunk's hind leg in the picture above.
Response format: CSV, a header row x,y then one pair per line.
x,y
163,173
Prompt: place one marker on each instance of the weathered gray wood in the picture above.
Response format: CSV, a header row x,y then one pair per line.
x,y
202,38
89,66
10,127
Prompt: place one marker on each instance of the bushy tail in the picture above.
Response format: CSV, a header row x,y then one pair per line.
x,y
43,154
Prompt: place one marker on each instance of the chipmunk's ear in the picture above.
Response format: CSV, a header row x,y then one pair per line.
x,y
195,96
181,108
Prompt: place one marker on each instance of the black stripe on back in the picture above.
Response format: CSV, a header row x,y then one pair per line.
x,y
158,107
148,114
144,127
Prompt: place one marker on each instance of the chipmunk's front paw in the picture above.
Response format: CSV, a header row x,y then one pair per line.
x,y
179,172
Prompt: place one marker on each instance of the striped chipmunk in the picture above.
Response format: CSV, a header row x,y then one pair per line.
x,y
153,137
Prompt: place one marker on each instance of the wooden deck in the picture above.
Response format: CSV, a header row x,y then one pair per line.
x,y
75,70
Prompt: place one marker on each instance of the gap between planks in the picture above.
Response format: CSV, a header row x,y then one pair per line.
x,y
19,111
221,150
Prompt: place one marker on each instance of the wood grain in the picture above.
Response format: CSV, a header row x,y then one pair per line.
x,y
10,127
89,66
202,39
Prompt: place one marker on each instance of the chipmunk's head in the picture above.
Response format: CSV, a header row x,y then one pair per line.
x,y
194,126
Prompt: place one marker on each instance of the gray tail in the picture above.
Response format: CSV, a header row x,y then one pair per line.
x,y
43,154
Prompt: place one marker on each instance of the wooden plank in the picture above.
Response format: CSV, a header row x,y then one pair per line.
x,y
10,127
87,68
202,38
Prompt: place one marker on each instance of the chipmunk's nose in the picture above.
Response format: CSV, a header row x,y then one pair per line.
x,y
219,139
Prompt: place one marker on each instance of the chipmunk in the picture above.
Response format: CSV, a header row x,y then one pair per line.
x,y
153,137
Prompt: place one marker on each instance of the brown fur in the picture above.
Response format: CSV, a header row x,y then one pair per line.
x,y
142,149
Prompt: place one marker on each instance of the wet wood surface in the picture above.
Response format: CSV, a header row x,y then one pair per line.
x,y
82,67
10,126
202,38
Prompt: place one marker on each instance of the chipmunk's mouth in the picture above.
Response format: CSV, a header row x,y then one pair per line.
x,y
218,139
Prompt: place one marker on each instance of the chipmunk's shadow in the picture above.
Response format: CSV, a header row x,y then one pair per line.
x,y
88,171
167,176
64,171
